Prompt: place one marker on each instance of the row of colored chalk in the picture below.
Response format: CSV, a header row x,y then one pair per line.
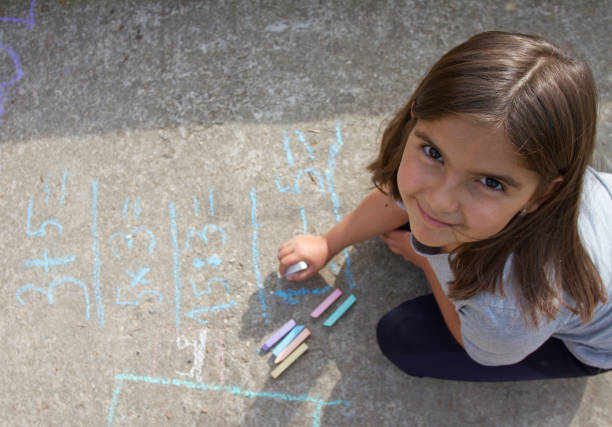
x,y
292,336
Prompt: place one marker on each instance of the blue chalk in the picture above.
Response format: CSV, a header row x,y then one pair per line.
x,y
287,340
340,310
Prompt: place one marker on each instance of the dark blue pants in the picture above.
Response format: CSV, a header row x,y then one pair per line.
x,y
415,338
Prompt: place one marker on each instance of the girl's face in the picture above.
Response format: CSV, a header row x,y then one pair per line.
x,y
461,181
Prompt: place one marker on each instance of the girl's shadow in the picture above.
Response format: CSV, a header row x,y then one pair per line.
x,y
349,381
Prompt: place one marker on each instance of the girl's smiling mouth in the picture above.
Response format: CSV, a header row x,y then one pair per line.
x,y
431,220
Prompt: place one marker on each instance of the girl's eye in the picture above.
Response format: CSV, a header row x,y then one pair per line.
x,y
492,183
432,152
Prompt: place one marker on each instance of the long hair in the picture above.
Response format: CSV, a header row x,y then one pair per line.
x,y
546,103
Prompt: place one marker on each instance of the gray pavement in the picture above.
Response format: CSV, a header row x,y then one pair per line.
x,y
153,156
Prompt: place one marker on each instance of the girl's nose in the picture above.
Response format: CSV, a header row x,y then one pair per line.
x,y
443,196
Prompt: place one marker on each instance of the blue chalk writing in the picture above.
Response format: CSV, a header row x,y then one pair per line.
x,y
214,261
96,252
287,149
196,207
136,208
136,301
193,314
129,238
234,390
49,292
198,293
331,187
198,263
313,173
304,222
305,144
47,262
211,202
177,266
63,189
204,234
255,252
138,278
42,230
289,295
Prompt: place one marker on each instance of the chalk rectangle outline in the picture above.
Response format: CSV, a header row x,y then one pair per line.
x,y
340,310
278,335
289,360
326,303
288,338
296,342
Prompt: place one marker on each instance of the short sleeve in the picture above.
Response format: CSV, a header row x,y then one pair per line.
x,y
494,332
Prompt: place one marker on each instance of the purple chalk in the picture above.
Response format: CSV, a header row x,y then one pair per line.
x,y
278,335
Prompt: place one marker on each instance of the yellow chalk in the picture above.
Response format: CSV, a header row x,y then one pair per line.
x,y
289,360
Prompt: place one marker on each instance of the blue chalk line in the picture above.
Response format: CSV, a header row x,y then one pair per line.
x,y
96,253
316,415
255,252
177,266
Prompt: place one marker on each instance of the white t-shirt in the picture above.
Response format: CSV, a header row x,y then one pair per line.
x,y
492,328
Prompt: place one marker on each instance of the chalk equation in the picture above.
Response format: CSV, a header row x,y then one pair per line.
x,y
201,282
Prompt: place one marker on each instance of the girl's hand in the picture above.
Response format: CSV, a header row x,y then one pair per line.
x,y
311,249
399,243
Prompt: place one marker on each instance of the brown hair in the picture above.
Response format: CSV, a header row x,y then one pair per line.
x,y
546,102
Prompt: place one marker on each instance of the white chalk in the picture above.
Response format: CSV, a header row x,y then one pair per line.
x,y
295,268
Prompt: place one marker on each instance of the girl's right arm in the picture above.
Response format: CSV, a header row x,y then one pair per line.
x,y
376,214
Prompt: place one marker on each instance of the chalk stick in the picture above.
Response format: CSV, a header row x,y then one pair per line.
x,y
297,341
289,360
340,310
285,342
295,268
326,303
278,335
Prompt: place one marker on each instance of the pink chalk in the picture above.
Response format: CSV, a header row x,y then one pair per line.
x,y
294,344
326,303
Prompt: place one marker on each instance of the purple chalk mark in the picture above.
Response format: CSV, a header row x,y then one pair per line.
x,y
14,79
278,335
29,20
326,303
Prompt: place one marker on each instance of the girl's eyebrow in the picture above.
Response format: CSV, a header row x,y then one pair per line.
x,y
502,178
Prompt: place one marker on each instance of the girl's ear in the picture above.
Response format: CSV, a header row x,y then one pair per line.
x,y
535,203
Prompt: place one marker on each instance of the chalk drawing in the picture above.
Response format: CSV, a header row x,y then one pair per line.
x,y
208,238
122,379
178,285
49,291
95,247
48,263
121,246
199,352
29,20
42,230
325,185
255,256
5,84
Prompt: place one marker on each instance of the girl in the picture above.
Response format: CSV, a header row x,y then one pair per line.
x,y
487,168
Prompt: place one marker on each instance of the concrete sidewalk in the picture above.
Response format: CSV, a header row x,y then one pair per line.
x,y
154,155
